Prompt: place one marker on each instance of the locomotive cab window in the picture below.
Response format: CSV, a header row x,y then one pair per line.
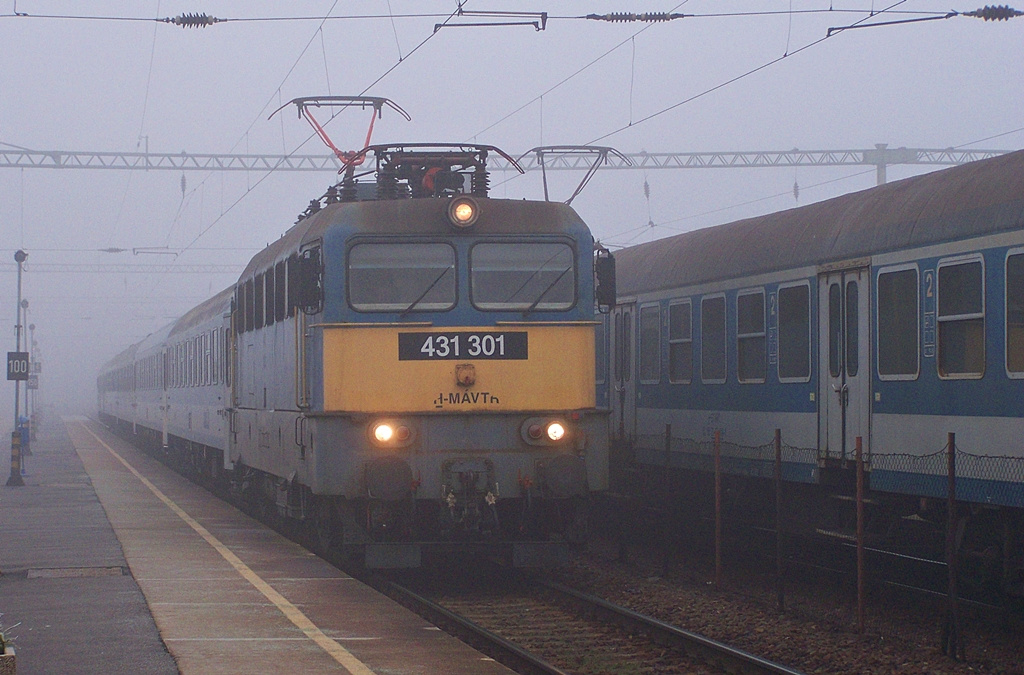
x,y
680,343
961,318
751,360
898,324
1015,314
650,344
522,276
401,277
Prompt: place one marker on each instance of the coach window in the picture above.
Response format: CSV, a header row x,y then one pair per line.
x,y
852,336
794,333
1015,314
898,324
961,319
712,340
650,344
522,276
401,277
680,343
751,359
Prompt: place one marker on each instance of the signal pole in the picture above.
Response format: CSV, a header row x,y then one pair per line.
x,y
15,478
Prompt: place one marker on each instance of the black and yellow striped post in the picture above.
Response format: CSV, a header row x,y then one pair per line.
x,y
15,479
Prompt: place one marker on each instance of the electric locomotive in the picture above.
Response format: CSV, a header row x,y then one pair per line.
x,y
410,367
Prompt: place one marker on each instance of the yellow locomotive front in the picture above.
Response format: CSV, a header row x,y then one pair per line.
x,y
449,372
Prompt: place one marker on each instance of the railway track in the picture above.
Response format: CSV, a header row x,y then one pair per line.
x,y
538,626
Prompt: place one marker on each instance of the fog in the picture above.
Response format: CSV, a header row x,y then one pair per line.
x,y
716,81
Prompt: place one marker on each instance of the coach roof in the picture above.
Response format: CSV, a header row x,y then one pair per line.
x,y
979,198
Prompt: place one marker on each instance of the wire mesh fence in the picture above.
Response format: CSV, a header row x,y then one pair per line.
x,y
798,463
983,479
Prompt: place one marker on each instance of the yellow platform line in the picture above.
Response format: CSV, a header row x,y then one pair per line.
x,y
293,613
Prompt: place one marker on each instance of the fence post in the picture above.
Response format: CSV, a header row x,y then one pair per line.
x,y
952,644
779,591
860,536
718,508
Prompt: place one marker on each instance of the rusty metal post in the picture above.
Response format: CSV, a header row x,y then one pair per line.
x,y
860,535
779,590
718,507
952,645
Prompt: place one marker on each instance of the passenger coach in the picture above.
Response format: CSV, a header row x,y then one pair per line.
x,y
895,315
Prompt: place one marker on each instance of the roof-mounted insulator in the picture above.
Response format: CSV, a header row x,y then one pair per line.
x,y
994,13
193,20
625,17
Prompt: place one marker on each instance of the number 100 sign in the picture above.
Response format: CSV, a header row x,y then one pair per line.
x,y
17,365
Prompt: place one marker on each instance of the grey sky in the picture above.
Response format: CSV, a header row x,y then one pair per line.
x,y
120,85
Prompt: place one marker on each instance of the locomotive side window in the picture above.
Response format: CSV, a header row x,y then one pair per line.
x,y
751,345
650,344
680,342
794,333
898,324
961,319
522,276
258,302
1015,315
401,277
269,296
280,299
249,323
293,284
712,340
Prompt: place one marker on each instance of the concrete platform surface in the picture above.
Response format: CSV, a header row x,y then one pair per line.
x,y
222,593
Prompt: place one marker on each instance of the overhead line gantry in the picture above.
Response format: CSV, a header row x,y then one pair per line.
x,y
881,156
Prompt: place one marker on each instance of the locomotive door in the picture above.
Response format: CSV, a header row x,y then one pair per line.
x,y
843,362
623,393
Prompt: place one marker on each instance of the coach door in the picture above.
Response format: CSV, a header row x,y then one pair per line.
x,y
623,393
844,365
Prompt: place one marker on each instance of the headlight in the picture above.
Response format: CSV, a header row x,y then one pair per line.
x,y
390,433
463,211
383,432
547,431
556,431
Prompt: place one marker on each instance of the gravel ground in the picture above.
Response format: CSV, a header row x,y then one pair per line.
x,y
818,631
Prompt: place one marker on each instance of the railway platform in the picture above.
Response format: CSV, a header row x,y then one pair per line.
x,y
112,563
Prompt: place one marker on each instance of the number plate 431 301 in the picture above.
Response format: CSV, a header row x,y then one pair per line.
x,y
462,345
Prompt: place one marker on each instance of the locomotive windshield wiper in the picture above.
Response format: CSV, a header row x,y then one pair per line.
x,y
540,297
427,290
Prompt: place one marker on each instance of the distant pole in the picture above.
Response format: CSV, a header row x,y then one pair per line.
x,y
779,590
860,536
718,507
15,479
26,449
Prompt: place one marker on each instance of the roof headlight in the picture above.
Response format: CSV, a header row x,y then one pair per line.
x,y
463,211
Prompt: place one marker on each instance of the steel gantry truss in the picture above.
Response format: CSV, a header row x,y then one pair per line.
x,y
880,157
